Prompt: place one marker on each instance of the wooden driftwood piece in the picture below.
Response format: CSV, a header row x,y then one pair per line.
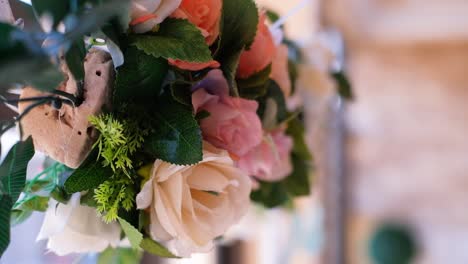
x,y
66,134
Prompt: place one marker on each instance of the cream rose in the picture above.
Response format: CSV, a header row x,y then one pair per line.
x,y
146,14
190,206
73,228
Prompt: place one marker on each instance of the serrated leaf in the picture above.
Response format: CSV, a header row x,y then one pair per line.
x,y
155,248
55,9
140,77
133,235
343,85
13,168
238,29
87,176
176,39
256,85
177,136
5,211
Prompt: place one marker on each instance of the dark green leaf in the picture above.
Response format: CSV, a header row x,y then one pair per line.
x,y
298,183
293,74
256,85
238,28
155,248
140,77
344,87
202,115
181,92
87,176
55,9
119,256
272,15
176,137
13,168
297,132
88,199
5,211
75,59
60,195
176,39
270,194
272,106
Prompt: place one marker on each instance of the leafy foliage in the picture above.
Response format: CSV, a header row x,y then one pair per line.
x,y
118,141
115,193
119,256
176,137
238,30
256,85
176,39
344,87
5,211
272,106
140,78
88,176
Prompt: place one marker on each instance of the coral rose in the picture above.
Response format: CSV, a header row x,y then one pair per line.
x,y
73,228
280,71
261,52
233,123
190,206
270,161
146,14
205,14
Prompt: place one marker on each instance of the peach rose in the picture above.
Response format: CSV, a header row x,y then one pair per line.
x,y
190,206
146,14
233,123
205,14
270,161
261,52
280,71
73,228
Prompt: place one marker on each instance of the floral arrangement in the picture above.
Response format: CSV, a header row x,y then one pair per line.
x,y
163,120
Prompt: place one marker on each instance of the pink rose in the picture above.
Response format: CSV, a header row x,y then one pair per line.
x,y
269,161
280,71
205,14
146,14
261,52
233,123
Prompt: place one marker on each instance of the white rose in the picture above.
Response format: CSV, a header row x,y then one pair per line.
x,y
190,206
73,228
145,14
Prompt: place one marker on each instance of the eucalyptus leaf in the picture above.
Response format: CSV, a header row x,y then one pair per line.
x,y
176,39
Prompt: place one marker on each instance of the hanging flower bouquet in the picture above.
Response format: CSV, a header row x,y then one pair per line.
x,y
164,118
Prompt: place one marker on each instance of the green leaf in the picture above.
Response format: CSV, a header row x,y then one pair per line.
x,y
56,9
74,58
120,256
134,236
181,92
297,132
344,87
298,183
238,29
19,216
177,136
272,15
87,176
140,77
13,168
176,39
256,85
272,106
60,195
33,203
155,248
270,194
5,211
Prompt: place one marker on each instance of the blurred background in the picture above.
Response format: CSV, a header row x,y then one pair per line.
x,y
391,176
